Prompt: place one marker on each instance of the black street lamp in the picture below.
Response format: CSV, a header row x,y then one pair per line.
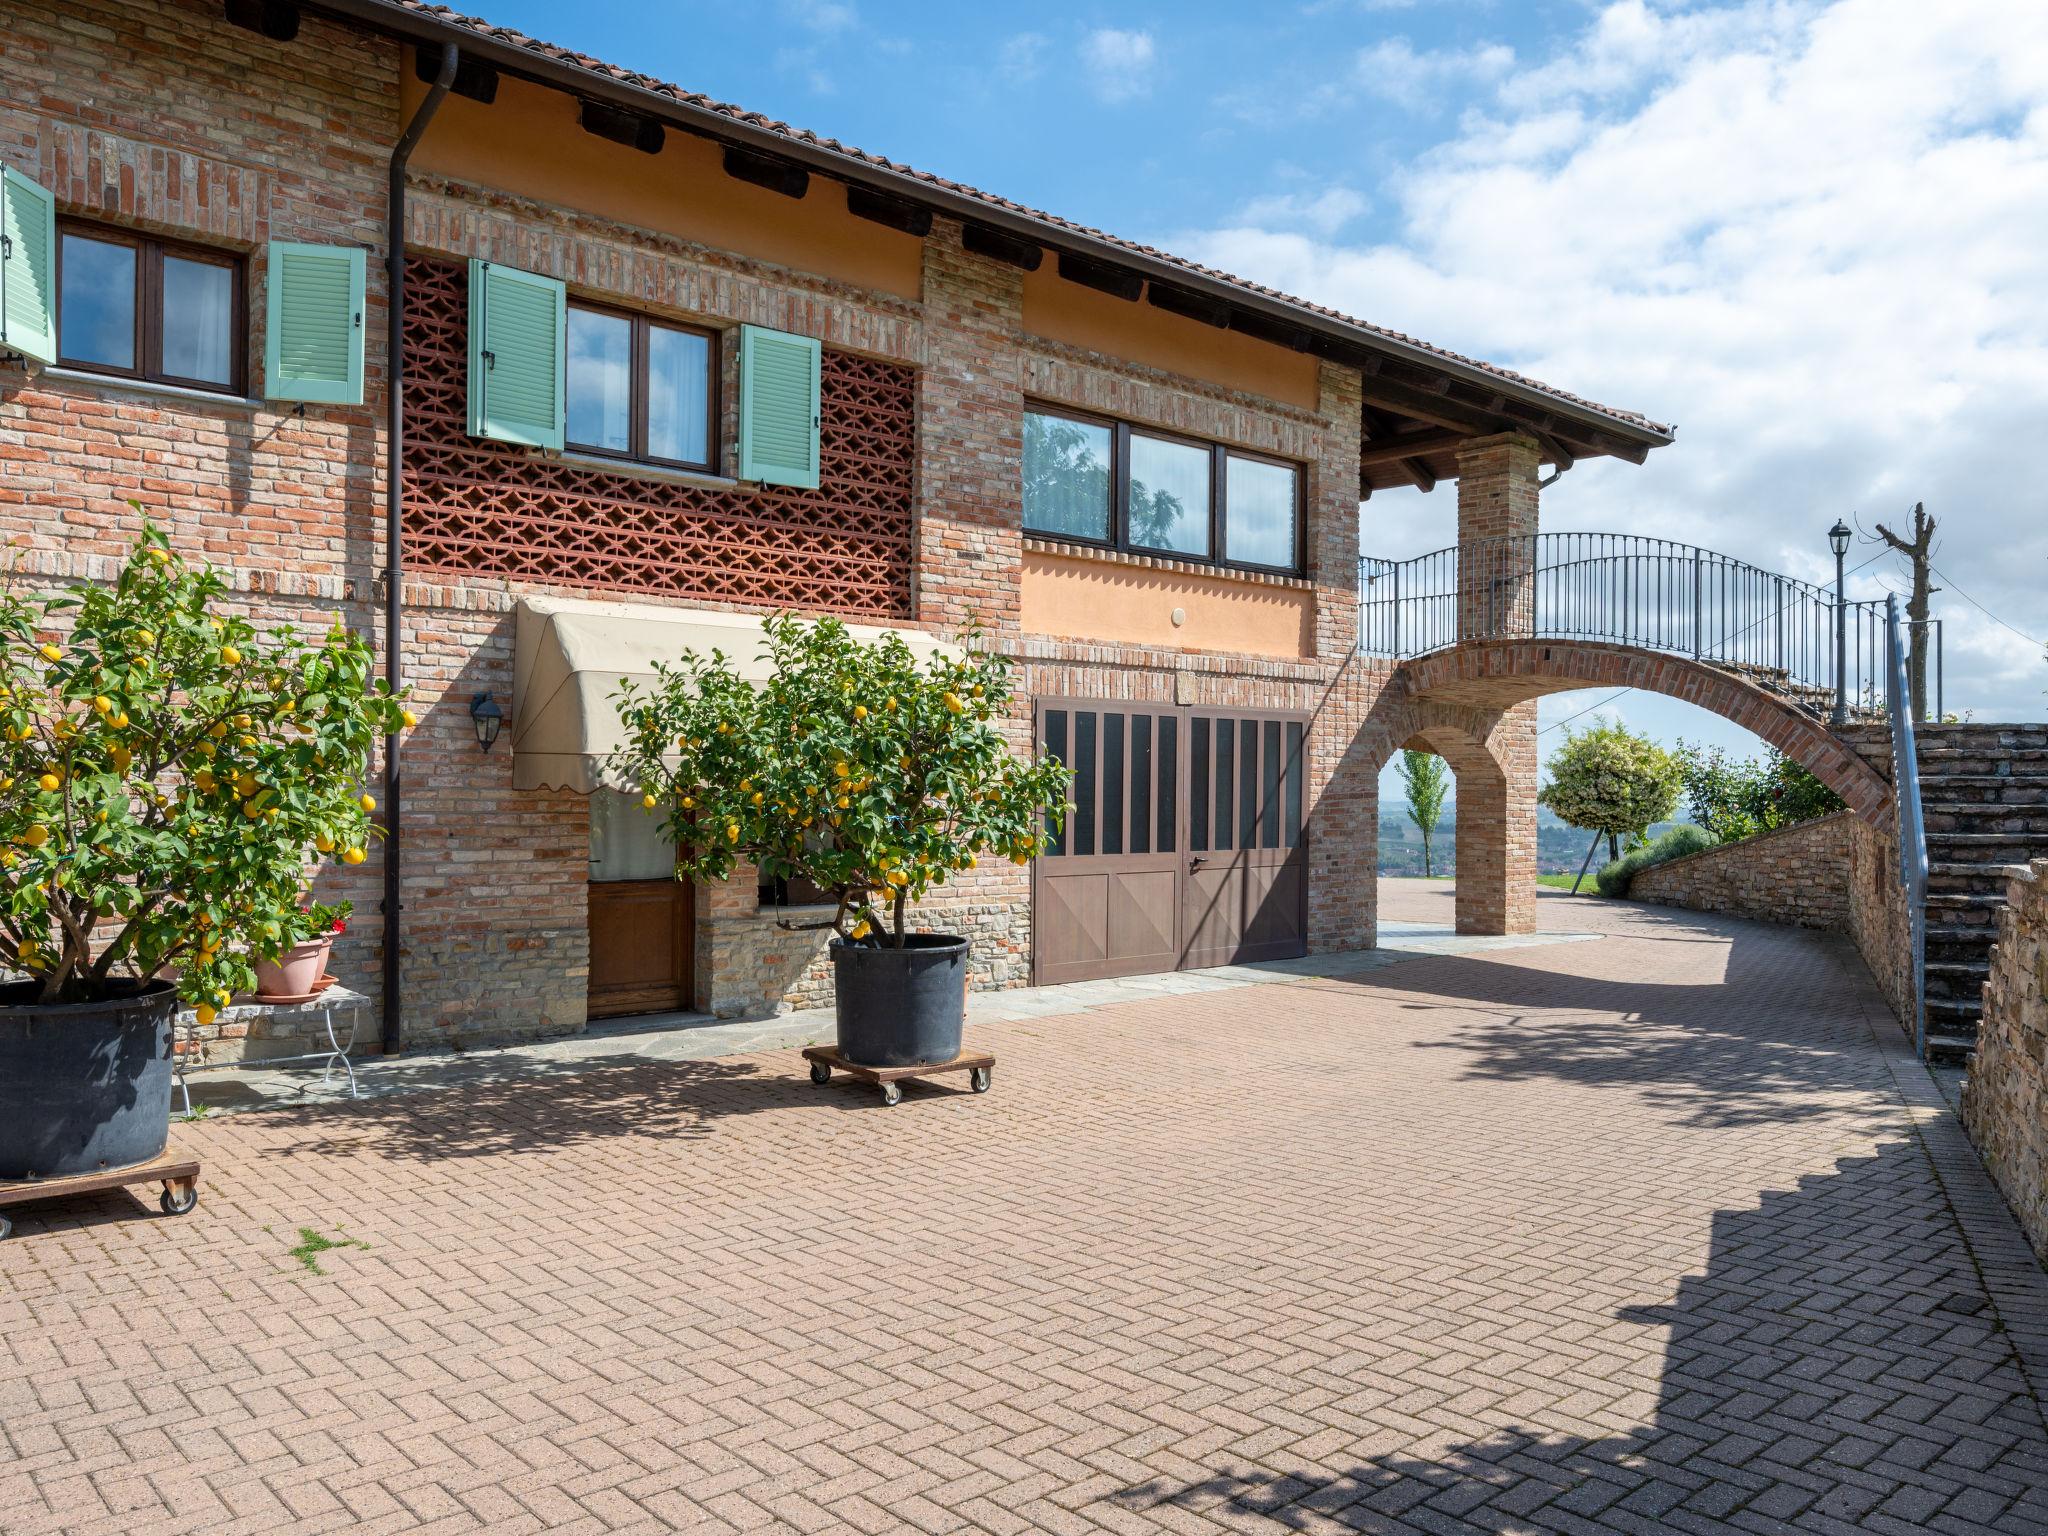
x,y
1838,540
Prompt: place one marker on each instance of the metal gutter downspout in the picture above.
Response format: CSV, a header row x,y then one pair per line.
x,y
394,553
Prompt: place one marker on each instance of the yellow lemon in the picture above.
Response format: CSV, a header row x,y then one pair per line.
x,y
230,656
861,929
860,711
689,804
251,809
367,804
759,797
49,653
841,770
120,757
159,556
975,690
50,782
205,1013
145,637
324,843
842,802
890,702
352,855
103,704
409,718
218,729
732,831
647,802
118,720
953,703
897,877
205,780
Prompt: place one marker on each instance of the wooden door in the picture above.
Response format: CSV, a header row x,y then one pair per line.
x,y
1185,847
642,928
1106,896
1245,896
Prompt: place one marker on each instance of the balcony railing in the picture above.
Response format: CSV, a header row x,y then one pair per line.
x,y
1628,589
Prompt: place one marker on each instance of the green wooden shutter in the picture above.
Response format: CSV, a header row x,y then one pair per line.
x,y
518,355
313,342
778,408
28,267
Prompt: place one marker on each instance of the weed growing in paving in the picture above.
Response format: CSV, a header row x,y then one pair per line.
x,y
312,1244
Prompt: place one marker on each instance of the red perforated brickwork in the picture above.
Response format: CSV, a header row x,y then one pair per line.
x,y
472,505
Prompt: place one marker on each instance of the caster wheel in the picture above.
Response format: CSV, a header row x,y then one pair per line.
x,y
891,1094
820,1073
177,1202
977,1079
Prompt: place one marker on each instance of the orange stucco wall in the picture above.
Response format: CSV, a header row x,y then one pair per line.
x,y
1064,311
1076,598
529,143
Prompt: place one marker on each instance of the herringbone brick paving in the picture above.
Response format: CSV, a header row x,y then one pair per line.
x,y
1635,1235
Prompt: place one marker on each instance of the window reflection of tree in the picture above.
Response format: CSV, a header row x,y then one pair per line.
x,y
1154,516
1066,477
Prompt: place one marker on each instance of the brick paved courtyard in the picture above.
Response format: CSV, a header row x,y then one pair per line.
x,y
1644,1234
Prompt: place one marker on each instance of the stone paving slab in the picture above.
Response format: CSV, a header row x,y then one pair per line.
x,y
1655,1233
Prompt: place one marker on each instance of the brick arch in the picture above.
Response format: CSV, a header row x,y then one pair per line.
x,y
1497,674
1496,833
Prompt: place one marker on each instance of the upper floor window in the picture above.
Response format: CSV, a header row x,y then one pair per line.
x,y
1128,488
145,308
640,388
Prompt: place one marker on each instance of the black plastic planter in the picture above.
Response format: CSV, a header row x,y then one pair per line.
x,y
84,1086
901,1007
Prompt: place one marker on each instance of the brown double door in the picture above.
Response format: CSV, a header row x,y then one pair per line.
x,y
1185,847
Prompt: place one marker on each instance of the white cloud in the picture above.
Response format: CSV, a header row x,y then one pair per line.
x,y
823,16
1021,57
1118,64
1323,213
1810,233
1395,71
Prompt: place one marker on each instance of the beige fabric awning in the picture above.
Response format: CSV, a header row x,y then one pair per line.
x,y
569,654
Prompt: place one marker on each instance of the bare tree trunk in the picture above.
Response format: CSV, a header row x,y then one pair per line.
x,y
1919,551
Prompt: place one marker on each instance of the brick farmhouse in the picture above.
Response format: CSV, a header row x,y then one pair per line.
x,y
667,365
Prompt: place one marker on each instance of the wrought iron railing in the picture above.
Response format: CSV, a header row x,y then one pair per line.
x,y
1629,589
1912,825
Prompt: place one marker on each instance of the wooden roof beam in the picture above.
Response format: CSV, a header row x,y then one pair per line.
x,y
1394,447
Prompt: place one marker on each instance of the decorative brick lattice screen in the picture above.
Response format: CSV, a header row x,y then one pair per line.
x,y
489,507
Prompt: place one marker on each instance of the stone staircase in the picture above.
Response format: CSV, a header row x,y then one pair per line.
x,y
1984,790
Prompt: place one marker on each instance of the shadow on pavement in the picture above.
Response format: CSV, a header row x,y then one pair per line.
x,y
1838,1361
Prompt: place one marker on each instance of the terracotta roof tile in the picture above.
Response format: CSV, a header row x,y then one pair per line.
x,y
512,37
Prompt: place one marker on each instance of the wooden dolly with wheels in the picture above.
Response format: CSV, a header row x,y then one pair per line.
x,y
179,1175
823,1058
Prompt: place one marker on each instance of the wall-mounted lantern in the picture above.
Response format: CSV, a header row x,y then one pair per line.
x,y
488,719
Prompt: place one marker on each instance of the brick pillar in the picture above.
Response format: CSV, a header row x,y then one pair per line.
x,y
1497,500
970,439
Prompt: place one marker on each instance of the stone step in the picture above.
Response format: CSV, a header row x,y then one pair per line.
x,y
1959,981
1990,789
2019,734
1954,942
1954,877
1981,847
2026,822
2020,762
1949,1050
1963,911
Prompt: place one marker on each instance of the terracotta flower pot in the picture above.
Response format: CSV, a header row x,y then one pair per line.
x,y
291,975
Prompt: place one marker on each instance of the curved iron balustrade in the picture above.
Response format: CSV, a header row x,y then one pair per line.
x,y
1628,589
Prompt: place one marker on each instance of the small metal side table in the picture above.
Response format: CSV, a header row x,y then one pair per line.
x,y
341,1039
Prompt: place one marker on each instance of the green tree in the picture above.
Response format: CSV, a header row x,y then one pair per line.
x,y
1608,779
1735,797
853,767
168,776
1426,778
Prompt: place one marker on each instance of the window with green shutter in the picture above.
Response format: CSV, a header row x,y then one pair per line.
x,y
28,267
778,408
518,346
313,343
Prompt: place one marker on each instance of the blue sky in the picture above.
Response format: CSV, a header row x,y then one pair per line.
x,y
1811,232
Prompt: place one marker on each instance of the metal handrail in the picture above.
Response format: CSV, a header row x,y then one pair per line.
x,y
1629,589
1907,812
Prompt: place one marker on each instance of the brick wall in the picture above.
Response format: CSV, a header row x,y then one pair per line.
x,y
2005,1101
161,116
1797,875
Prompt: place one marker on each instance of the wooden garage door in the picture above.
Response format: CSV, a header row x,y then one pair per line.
x,y
1127,888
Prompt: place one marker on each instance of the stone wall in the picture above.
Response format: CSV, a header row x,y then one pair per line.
x,y
1796,875
2005,1101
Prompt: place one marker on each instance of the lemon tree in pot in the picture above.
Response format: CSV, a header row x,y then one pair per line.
x,y
873,777
167,775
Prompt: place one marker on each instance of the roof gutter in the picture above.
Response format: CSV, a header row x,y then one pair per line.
x,y
415,26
